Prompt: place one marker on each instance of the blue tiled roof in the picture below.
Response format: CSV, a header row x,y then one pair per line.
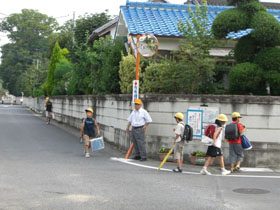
x,y
161,19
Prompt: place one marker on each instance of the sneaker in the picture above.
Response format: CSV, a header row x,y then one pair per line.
x,y
87,155
205,172
143,159
137,158
237,169
225,172
178,170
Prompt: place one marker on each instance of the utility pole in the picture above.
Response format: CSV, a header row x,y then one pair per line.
x,y
37,63
73,32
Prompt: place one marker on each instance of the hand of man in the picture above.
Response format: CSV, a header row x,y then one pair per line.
x,y
144,128
127,129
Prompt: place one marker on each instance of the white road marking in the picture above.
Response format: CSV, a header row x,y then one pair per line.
x,y
130,162
256,169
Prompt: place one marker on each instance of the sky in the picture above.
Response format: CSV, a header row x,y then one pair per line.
x,y
63,10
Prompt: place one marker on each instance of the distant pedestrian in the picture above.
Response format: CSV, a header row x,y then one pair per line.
x,y
214,150
88,130
179,142
233,137
49,107
139,119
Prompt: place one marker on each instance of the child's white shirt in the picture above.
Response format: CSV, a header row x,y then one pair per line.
x,y
179,130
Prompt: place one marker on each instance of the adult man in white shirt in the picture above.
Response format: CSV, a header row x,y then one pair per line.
x,y
139,119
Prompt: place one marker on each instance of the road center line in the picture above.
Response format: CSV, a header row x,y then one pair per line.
x,y
130,162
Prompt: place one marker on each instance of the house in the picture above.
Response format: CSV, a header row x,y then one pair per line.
x,y
161,19
110,27
105,30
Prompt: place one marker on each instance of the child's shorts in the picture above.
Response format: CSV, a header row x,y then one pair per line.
x,y
179,150
235,153
48,114
214,151
87,140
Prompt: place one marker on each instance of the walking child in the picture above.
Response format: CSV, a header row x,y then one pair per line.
x,y
88,130
49,107
233,137
214,150
179,142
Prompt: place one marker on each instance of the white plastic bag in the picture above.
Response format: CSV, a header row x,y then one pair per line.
x,y
207,141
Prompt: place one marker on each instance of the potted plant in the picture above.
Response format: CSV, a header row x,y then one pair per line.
x,y
198,158
163,152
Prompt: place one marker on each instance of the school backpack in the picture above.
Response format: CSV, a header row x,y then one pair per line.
x,y
209,131
188,133
231,132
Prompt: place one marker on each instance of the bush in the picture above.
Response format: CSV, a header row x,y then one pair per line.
x,y
127,73
266,29
247,78
245,50
161,78
273,80
228,21
269,59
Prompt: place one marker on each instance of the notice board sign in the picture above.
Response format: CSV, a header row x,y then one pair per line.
x,y
195,120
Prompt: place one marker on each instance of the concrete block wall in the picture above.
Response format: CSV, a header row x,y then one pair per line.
x,y
261,117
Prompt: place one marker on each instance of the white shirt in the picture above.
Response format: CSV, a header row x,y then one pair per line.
x,y
220,138
179,130
139,118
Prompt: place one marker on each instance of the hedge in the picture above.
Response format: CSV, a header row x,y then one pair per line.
x,y
247,78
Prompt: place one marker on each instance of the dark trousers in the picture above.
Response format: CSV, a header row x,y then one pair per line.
x,y
138,139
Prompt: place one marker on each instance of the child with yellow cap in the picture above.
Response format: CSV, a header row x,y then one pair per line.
x,y
88,130
214,150
178,141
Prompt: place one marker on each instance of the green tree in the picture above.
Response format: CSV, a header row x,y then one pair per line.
x,y
259,47
29,33
96,68
198,66
57,56
62,77
87,23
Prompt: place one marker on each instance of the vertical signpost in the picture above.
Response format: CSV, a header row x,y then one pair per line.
x,y
147,45
135,93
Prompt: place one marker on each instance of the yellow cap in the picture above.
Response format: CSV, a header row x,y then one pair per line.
x,y
222,118
138,101
235,115
89,110
47,98
179,115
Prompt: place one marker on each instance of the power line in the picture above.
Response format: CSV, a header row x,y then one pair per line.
x,y
3,14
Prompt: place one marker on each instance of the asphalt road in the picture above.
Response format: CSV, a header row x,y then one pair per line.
x,y
43,167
